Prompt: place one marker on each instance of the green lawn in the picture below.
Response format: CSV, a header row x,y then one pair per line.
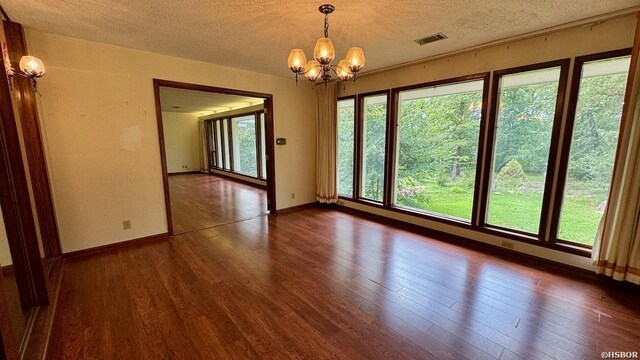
x,y
520,211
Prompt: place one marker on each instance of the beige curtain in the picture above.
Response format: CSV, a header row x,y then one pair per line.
x,y
327,158
616,252
202,146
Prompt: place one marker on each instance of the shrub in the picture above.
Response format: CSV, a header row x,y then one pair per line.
x,y
511,177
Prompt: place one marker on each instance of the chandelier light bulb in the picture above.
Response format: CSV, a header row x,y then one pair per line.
x,y
355,59
324,52
297,61
342,71
313,70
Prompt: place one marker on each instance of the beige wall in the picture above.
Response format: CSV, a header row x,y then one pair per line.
x,y
610,35
100,133
181,142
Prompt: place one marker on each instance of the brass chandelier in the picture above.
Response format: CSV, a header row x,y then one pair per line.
x,y
323,54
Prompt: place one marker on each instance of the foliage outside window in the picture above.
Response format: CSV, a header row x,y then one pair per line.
x,y
593,148
244,145
263,146
438,131
524,124
218,145
374,125
437,142
346,142
225,136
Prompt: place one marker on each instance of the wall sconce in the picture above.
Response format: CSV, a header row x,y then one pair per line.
x,y
31,67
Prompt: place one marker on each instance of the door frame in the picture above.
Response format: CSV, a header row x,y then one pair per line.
x,y
268,105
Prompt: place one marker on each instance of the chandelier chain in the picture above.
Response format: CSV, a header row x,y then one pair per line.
x,y
326,25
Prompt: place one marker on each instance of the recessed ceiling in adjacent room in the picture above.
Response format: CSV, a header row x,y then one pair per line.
x,y
257,35
202,102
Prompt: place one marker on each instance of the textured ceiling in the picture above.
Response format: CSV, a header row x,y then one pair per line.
x,y
202,102
258,34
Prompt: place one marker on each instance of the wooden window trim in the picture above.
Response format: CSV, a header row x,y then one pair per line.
x,y
485,155
360,143
568,137
355,120
563,64
258,132
484,76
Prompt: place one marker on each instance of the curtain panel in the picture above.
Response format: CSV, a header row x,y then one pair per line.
x,y
326,160
616,252
202,145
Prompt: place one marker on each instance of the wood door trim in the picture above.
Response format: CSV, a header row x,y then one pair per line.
x,y
271,179
16,207
34,149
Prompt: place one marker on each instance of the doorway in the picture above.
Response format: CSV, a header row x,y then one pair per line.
x,y
216,148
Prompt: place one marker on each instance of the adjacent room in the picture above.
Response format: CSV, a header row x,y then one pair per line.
x,y
216,157
453,180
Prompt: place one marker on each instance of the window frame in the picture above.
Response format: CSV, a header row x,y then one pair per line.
x,y
360,148
260,139
355,149
563,64
212,146
567,139
485,77
227,136
233,119
560,143
218,141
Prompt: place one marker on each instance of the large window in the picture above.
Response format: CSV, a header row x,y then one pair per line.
x,y
227,153
524,124
263,147
240,144
545,171
244,145
437,148
218,145
374,128
593,147
346,141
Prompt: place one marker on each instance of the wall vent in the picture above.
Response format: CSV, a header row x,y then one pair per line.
x,y
431,38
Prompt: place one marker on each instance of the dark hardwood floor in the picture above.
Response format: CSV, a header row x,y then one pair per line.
x,y
319,283
200,201
19,318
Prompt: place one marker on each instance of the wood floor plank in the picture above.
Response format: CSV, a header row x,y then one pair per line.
x,y
317,283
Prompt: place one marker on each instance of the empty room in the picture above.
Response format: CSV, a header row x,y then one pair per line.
x,y
215,153
354,180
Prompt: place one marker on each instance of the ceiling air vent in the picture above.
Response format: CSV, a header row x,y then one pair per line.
x,y
431,38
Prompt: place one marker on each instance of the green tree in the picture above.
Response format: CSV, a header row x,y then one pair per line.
x,y
246,138
346,143
374,146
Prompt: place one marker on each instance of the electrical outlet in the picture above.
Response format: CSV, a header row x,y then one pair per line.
x,y
293,195
126,224
507,244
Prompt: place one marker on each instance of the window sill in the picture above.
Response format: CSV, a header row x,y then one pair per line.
x,y
238,173
529,239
